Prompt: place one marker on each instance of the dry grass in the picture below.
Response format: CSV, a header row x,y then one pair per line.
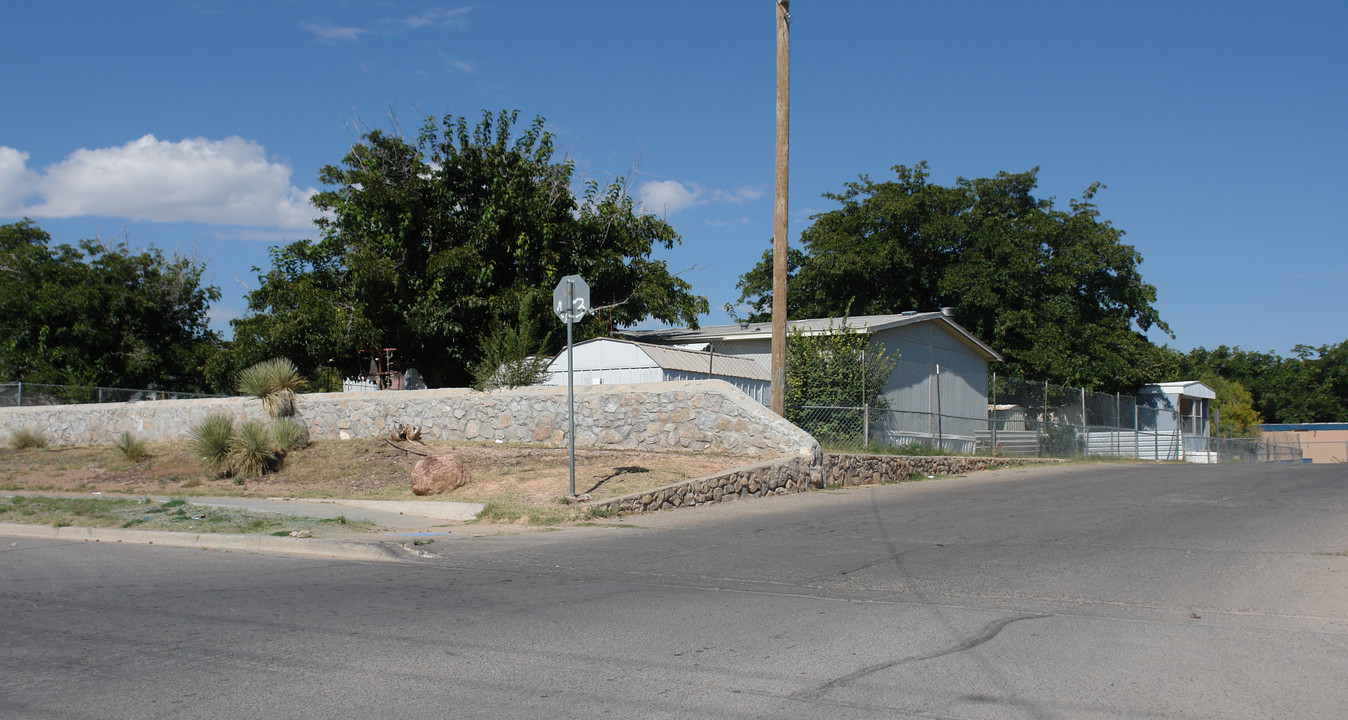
x,y
176,515
519,484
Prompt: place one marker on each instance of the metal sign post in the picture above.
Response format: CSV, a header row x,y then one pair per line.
x,y
571,301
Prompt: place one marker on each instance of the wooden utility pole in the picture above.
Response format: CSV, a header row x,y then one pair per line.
x,y
780,207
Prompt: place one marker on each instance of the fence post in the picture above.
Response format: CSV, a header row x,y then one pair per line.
x,y
866,426
1137,441
20,394
940,435
1116,444
993,449
100,396
1085,427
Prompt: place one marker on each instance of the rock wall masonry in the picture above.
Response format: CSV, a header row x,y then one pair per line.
x,y
701,416
794,475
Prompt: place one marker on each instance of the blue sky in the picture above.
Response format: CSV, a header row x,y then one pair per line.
x,y
1218,127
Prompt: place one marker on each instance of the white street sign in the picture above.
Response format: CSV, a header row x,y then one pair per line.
x,y
571,299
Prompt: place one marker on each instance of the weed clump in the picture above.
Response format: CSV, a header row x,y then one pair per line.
x,y
290,434
131,447
274,382
25,438
210,443
253,451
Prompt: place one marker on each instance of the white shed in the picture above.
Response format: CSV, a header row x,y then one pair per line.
x,y
610,361
1183,407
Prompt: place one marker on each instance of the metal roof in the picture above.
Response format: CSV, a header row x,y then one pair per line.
x,y
812,326
1183,388
696,361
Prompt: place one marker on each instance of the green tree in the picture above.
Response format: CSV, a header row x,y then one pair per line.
x,y
94,314
1311,386
512,355
426,246
830,376
1235,406
1055,292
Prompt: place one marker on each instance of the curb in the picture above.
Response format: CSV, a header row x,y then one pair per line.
x,y
311,547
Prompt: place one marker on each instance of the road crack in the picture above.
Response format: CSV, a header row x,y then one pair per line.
x,y
988,632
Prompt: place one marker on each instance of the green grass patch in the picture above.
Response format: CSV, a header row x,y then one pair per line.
x,y
511,508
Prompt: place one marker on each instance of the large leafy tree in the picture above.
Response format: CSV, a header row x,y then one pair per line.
x,y
1056,292
98,314
428,245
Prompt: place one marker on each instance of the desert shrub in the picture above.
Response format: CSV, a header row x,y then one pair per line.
x,y
274,383
290,434
211,442
24,438
131,447
253,450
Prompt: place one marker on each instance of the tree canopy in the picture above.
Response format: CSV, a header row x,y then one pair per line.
x,y
1310,387
1056,292
428,245
94,314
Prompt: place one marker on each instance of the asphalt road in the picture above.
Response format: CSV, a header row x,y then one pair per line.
x,y
1087,592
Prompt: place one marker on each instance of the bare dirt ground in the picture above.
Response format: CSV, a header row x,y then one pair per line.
x,y
363,469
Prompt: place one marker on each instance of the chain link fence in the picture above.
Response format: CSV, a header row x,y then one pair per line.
x,y
23,394
1036,419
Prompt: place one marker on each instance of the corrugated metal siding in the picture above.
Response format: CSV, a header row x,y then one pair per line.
x,y
758,349
759,390
912,391
717,364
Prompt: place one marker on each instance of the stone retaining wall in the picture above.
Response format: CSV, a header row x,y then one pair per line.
x,y
773,477
793,475
701,415
849,470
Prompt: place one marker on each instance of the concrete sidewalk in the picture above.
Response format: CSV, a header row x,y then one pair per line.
x,y
405,521
399,514
394,514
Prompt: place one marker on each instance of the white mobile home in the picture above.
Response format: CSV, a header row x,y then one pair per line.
x,y
609,361
938,389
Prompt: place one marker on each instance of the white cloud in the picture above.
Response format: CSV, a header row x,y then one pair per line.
x,y
388,27
739,195
432,16
218,182
728,223
666,197
15,180
331,34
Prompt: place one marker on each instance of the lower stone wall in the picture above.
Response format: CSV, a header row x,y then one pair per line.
x,y
799,474
773,477
701,415
849,470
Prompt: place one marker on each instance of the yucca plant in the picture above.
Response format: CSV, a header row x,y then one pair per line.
x,y
132,447
253,450
211,442
24,438
290,434
274,383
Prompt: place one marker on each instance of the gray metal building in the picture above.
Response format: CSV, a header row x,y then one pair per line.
x,y
938,389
